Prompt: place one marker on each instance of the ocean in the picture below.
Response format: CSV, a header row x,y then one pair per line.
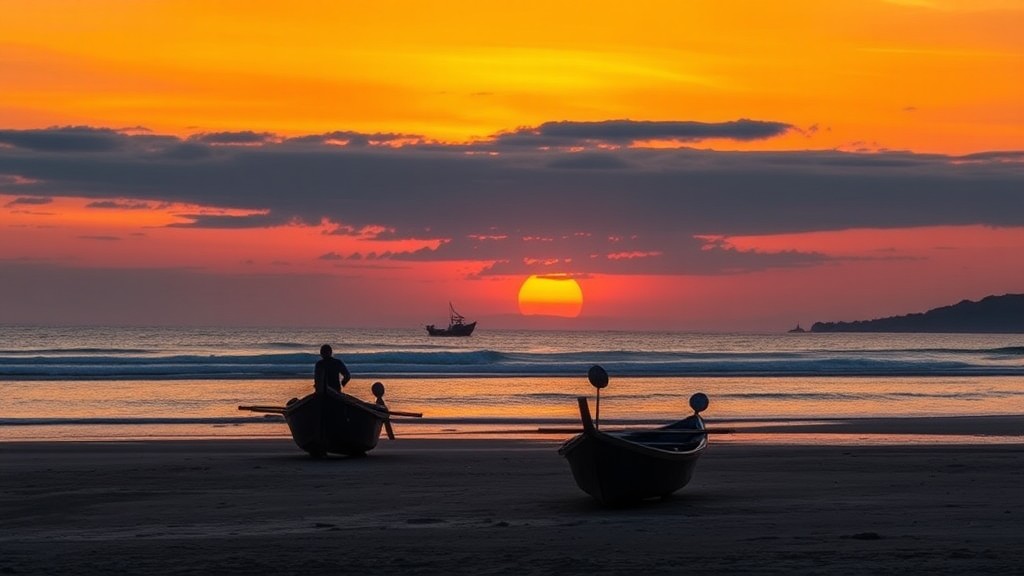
x,y
116,383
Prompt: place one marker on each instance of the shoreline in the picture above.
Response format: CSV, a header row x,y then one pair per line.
x,y
501,506
562,374
986,425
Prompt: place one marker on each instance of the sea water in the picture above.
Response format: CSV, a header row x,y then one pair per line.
x,y
122,383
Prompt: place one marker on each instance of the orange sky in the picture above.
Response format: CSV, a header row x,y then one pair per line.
x,y
942,77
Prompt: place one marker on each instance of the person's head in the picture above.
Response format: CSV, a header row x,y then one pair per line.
x,y
326,351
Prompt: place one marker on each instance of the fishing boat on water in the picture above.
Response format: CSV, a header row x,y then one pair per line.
x,y
632,465
456,325
333,422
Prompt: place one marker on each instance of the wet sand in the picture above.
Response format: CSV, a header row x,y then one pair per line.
x,y
417,506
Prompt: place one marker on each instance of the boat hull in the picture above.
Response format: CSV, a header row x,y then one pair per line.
x,y
334,423
615,470
453,330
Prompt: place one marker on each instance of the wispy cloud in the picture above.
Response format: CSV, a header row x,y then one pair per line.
x,y
29,201
627,132
119,205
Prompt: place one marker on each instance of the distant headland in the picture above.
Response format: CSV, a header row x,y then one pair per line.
x,y
992,314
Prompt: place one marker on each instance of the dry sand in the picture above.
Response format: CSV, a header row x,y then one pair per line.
x,y
502,506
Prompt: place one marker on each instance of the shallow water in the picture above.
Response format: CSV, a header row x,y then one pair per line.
x,y
474,406
124,383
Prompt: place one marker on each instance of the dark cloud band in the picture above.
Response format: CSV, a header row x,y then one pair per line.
x,y
512,207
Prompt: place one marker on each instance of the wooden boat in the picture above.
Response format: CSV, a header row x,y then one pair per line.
x,y
456,325
628,466
332,422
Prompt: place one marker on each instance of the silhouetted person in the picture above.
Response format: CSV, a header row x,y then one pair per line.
x,y
330,371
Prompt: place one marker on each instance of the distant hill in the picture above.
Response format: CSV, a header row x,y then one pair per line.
x,y
992,314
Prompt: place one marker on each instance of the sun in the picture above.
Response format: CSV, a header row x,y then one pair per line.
x,y
550,295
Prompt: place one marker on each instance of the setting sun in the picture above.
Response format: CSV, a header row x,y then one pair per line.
x,y
550,295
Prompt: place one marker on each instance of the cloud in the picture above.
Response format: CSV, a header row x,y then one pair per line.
x,y
63,139
29,201
355,139
226,221
998,155
186,151
595,254
626,132
518,208
223,138
119,205
589,161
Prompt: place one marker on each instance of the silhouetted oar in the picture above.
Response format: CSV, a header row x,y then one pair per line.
x,y
682,431
408,414
563,431
264,409
281,410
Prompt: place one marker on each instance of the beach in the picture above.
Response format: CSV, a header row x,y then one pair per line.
x,y
850,454
496,506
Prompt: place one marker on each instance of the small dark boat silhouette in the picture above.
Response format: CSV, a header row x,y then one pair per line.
x,y
797,330
333,422
456,325
628,466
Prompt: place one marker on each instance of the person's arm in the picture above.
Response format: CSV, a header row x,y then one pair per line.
x,y
319,382
345,376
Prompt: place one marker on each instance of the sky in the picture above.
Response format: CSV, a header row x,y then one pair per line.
x,y
693,166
